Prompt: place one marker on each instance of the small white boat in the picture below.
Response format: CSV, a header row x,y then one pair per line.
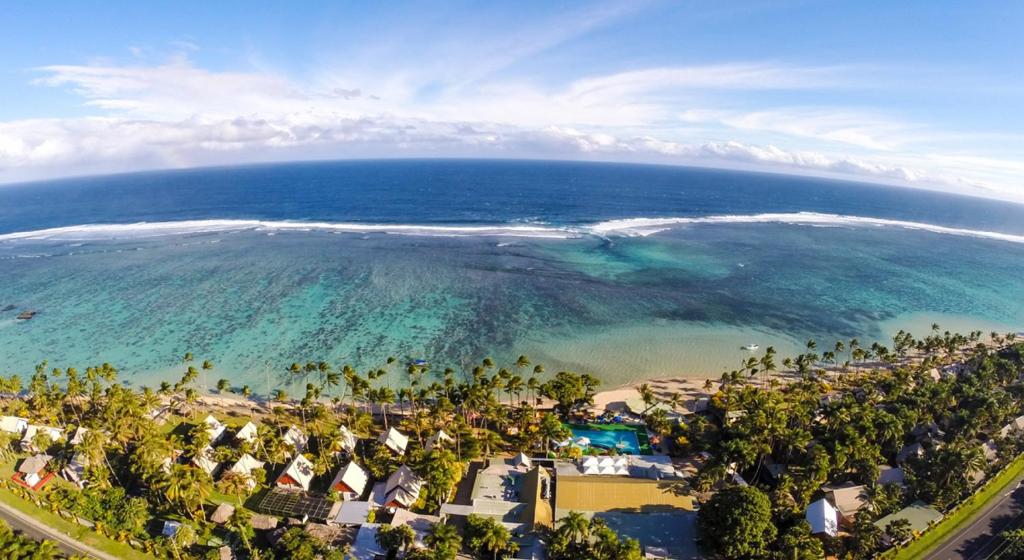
x,y
751,347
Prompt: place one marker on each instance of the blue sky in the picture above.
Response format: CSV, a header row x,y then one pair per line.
x,y
923,94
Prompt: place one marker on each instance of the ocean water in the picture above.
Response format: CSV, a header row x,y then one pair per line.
x,y
624,271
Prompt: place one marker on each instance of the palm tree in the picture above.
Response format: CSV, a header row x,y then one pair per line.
x,y
514,385
495,539
575,526
234,484
647,395
444,540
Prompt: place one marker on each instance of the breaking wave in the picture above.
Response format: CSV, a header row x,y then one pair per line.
x,y
628,227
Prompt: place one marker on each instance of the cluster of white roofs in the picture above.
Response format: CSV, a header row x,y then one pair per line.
x,y
28,432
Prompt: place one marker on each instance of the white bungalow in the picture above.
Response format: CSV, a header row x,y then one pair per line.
x,y
1014,427
74,472
78,436
297,475
56,434
214,428
13,424
849,500
205,461
823,518
33,468
246,433
244,467
296,438
440,438
347,440
402,488
350,481
395,441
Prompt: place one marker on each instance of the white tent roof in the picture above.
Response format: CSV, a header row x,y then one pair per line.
x,y
246,464
205,461
439,437
214,428
247,433
348,439
300,470
395,440
296,438
353,476
76,438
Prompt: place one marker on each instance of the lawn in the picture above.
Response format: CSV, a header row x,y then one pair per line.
x,y
949,525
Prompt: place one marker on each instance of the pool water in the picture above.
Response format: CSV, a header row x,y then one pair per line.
x,y
625,441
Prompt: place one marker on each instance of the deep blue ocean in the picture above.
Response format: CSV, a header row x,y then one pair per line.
x,y
627,271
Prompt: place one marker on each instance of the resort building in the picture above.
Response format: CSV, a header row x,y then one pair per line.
x,y
848,499
402,488
919,514
353,513
890,475
33,431
1015,426
365,546
74,472
297,475
911,451
350,481
33,470
513,492
296,438
394,440
245,465
644,498
205,461
13,424
440,438
247,433
346,440
823,518
78,436
419,523
214,428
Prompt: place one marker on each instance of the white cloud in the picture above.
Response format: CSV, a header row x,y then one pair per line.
x,y
178,115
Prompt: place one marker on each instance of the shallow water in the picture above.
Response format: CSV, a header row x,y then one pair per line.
x,y
619,302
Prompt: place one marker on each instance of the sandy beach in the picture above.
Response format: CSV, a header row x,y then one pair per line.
x,y
664,388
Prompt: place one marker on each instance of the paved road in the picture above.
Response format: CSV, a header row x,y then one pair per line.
x,y
980,537
32,528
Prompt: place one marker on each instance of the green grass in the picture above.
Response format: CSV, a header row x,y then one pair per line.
x,y
72,529
950,524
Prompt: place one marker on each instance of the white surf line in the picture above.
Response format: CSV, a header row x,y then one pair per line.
x,y
650,226
627,227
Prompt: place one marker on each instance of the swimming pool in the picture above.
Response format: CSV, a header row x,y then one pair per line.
x,y
625,441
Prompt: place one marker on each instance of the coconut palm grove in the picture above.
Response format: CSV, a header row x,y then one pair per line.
x,y
842,450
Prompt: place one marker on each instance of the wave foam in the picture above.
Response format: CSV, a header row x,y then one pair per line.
x,y
642,227
89,232
628,227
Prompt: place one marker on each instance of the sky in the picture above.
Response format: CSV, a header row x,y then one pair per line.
x,y
913,93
